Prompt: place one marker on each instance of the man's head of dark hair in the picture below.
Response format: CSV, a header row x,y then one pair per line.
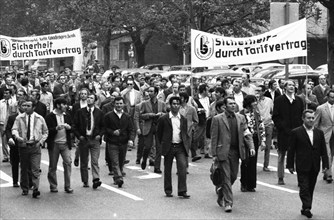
x,y
60,101
174,98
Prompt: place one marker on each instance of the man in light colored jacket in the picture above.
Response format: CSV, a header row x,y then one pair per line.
x,y
30,132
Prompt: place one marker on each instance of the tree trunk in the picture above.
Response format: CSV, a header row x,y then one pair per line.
x,y
139,49
106,50
330,42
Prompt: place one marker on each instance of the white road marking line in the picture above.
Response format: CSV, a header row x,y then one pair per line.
x,y
149,176
104,185
276,187
274,168
121,192
7,178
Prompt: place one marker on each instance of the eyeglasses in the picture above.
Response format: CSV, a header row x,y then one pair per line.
x,y
130,84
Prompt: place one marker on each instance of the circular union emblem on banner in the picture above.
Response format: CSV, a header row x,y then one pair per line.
x,y
4,47
203,47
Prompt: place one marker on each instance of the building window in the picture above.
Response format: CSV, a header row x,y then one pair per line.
x,y
123,50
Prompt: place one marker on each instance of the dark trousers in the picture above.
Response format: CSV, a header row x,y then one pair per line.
x,y
107,158
140,148
14,161
148,144
30,159
117,156
306,182
248,168
179,153
92,146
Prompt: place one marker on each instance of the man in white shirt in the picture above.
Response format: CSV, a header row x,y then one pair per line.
x,y
203,112
324,120
6,109
266,107
46,97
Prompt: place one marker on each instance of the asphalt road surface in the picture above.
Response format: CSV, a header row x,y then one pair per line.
x,y
142,196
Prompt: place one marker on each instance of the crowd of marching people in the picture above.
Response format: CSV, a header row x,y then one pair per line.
x,y
157,116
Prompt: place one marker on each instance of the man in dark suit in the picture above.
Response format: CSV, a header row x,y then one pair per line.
x,y
150,111
40,108
174,141
119,135
88,128
59,143
309,100
62,89
287,115
306,148
321,90
272,92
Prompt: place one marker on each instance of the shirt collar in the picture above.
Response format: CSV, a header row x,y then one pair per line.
x,y
56,113
290,98
117,112
308,129
91,108
172,116
329,105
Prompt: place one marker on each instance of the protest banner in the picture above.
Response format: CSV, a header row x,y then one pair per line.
x,y
209,50
65,44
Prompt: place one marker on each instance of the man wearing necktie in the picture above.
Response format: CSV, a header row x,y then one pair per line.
x,y
88,128
5,112
307,146
30,132
324,120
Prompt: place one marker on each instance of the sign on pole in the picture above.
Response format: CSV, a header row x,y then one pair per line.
x,y
213,50
65,44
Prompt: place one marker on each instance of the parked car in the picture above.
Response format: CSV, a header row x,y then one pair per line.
x,y
322,69
163,67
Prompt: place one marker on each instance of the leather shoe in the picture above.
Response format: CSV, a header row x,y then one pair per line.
x,y
126,161
184,195
5,160
24,193
76,162
169,195
120,183
36,193
69,190
251,190
207,156
96,184
85,184
243,189
228,208
143,165
281,181
16,185
111,173
157,170
54,190
329,179
306,212
266,169
196,158
137,161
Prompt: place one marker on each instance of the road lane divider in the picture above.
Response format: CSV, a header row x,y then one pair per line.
x,y
121,192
